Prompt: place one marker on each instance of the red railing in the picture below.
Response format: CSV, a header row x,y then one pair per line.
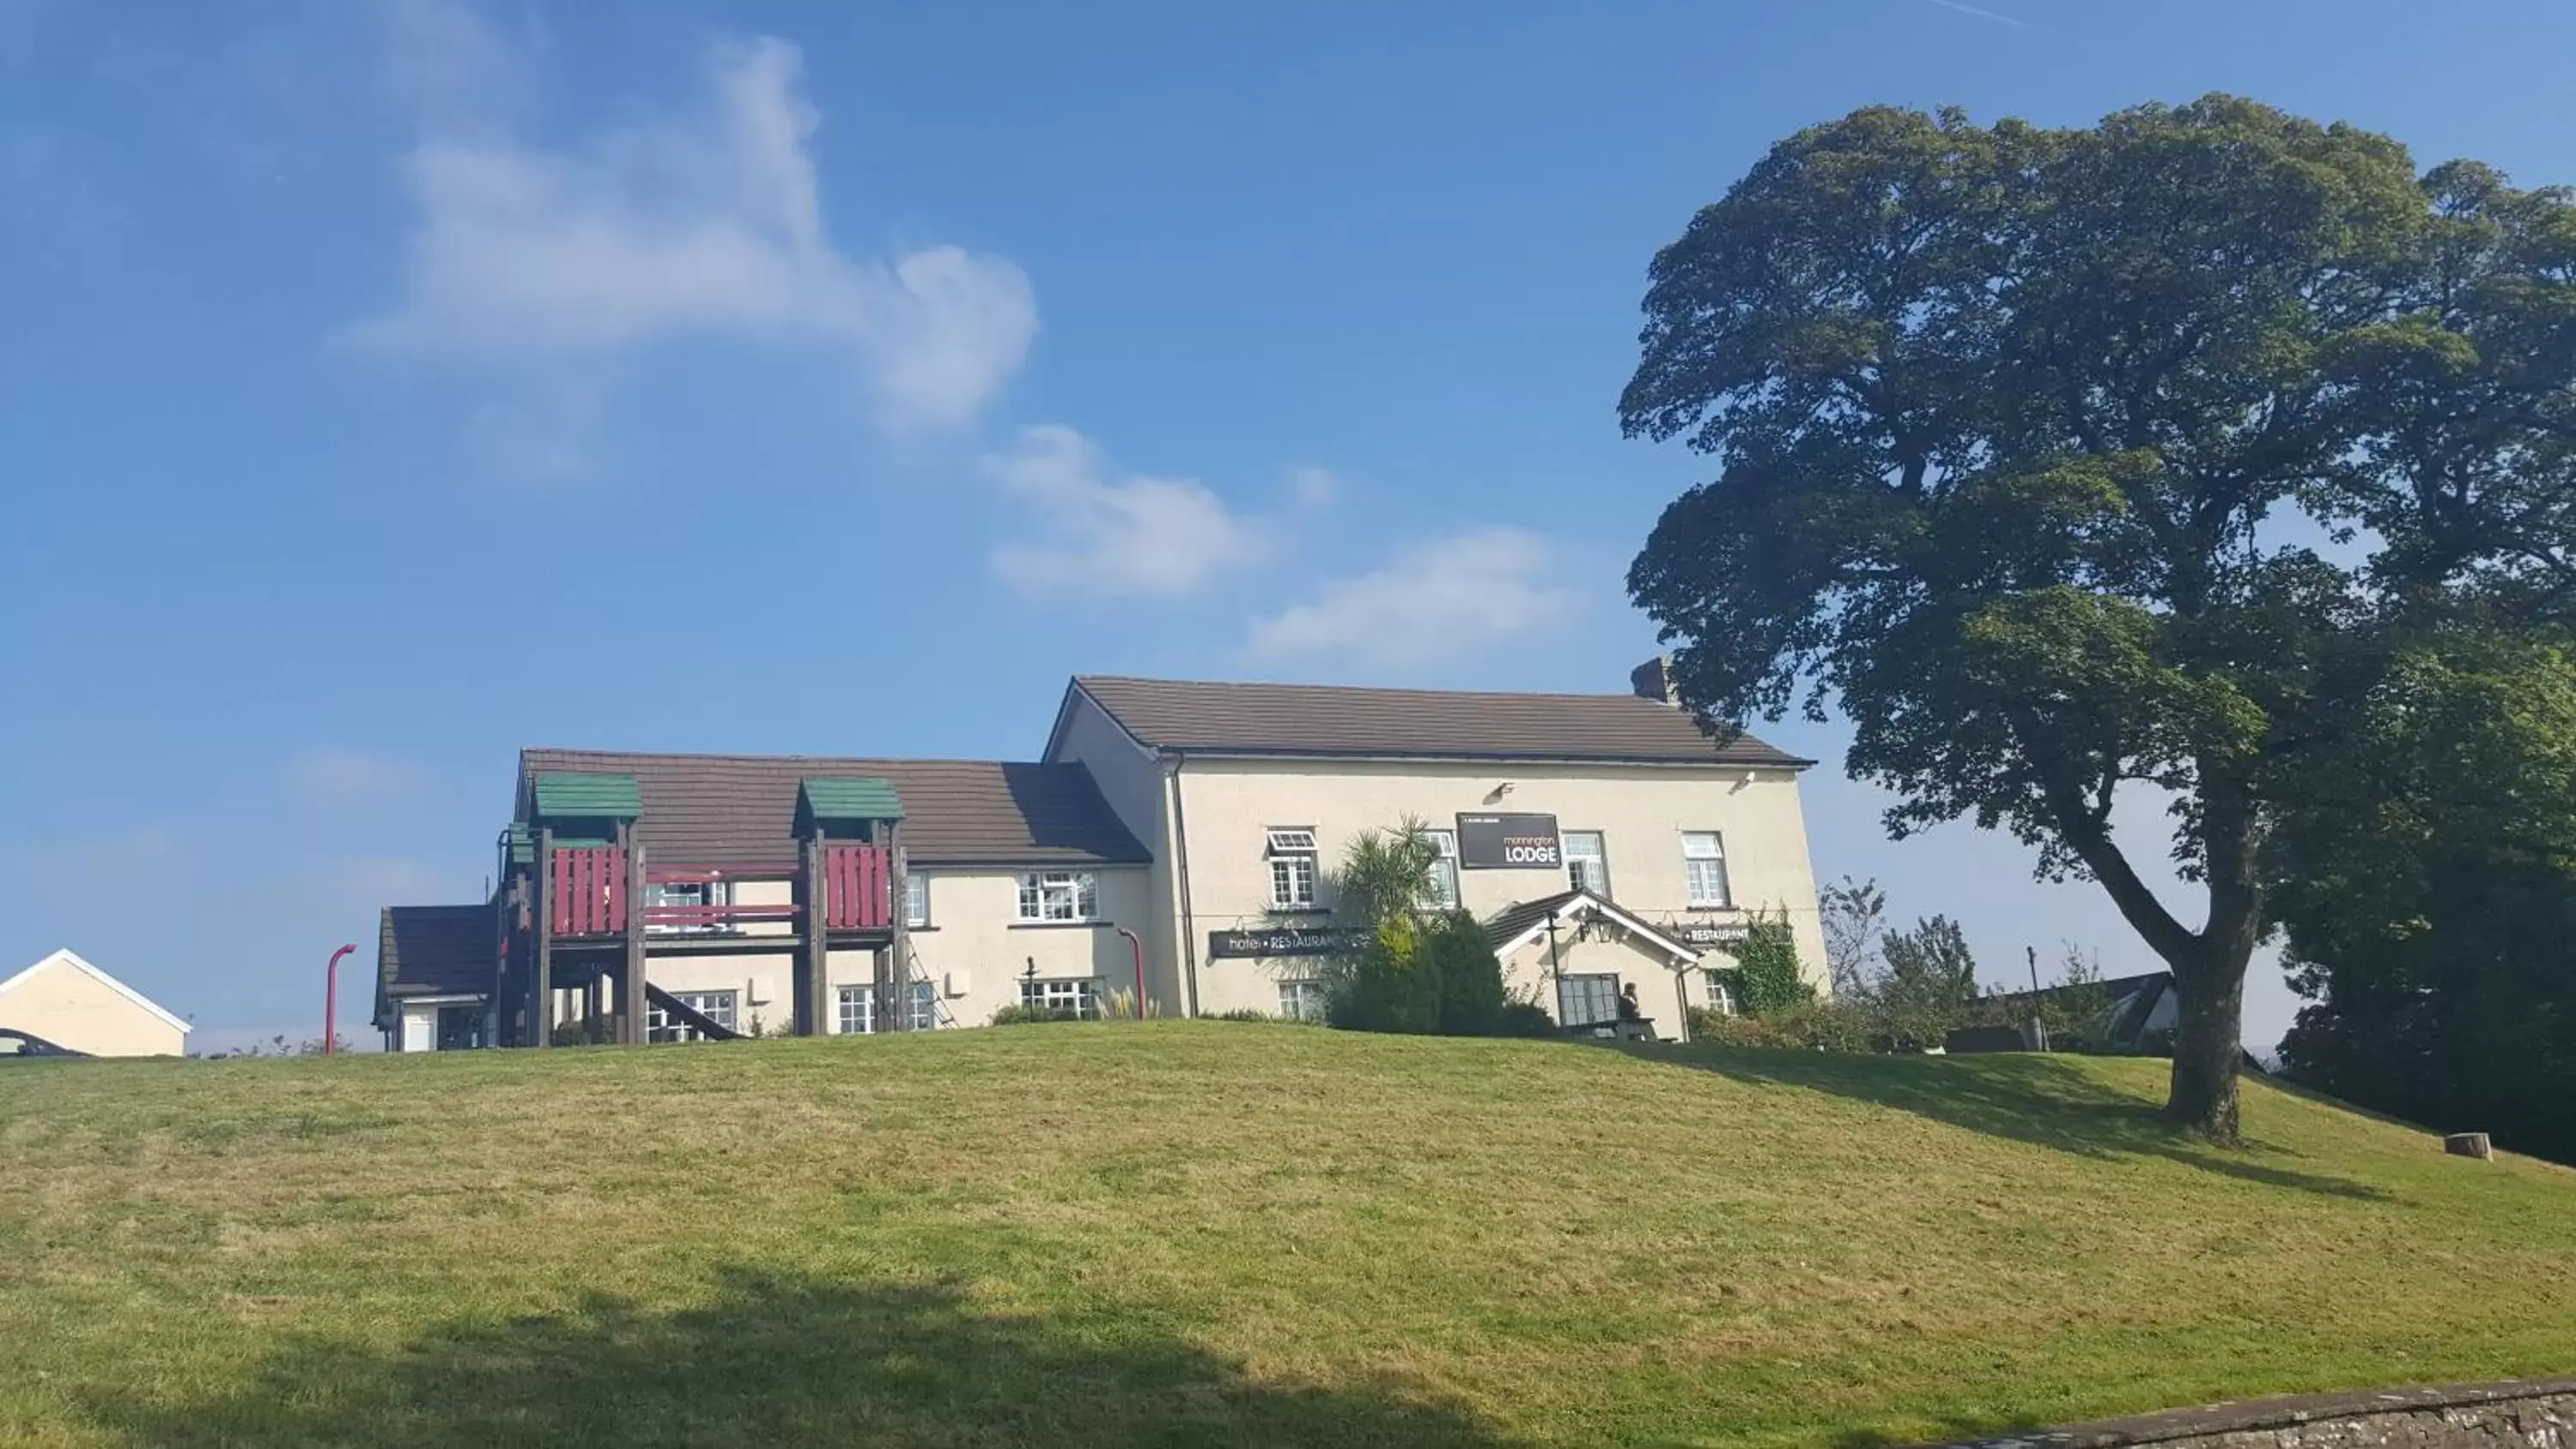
x,y
590,891
858,887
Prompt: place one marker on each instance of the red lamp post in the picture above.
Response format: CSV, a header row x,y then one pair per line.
x,y
1138,946
331,999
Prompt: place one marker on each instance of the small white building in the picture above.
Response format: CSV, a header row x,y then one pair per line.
x,y
71,1003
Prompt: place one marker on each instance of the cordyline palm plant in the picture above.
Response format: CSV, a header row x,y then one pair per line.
x,y
1381,891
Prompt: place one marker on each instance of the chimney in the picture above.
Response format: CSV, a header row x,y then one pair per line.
x,y
1654,680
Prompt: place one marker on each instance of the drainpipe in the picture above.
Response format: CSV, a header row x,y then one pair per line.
x,y
1189,961
331,997
1136,944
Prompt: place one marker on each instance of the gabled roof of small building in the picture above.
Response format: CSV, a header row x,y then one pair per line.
x,y
72,961
1516,925
742,809
435,951
1335,721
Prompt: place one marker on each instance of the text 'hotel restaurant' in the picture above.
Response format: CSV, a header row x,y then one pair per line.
x,y
1173,840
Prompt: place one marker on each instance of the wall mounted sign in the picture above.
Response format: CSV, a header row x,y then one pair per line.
x,y
1509,842
1285,941
1707,934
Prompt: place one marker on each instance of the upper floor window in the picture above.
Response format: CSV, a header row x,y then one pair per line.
x,y
1587,862
1704,859
1059,895
916,899
1444,869
1292,869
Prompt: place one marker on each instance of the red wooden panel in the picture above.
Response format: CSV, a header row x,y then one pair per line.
x,y
561,885
617,902
880,893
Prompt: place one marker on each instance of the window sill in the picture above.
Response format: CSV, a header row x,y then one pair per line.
x,y
912,929
1059,925
1301,910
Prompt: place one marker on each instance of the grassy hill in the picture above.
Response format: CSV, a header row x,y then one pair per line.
x,y
1177,1233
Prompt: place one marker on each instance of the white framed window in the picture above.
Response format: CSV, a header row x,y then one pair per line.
x,y
715,1006
687,893
858,1014
1587,1000
1721,997
1704,860
1292,882
1074,995
1444,870
1059,895
916,899
1301,1000
1292,868
1587,861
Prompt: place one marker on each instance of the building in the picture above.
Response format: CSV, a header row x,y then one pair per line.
x,y
67,1001
1604,839
1173,842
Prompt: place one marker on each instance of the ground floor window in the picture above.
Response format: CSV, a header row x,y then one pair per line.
x,y
460,1028
1721,998
858,1010
1073,995
716,1006
1587,1000
1301,1000
858,1015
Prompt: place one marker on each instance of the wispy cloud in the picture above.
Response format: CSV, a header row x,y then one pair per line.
x,y
708,223
348,778
1109,533
1457,595
1981,13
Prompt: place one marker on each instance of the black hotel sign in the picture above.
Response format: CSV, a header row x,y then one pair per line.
x,y
1509,842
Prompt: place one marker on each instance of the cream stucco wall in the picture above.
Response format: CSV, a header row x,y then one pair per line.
x,y
70,1007
1133,780
1641,811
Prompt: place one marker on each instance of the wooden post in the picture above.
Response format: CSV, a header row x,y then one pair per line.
x,y
541,967
900,886
813,970
630,981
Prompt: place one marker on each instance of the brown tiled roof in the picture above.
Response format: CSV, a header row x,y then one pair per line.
x,y
434,951
741,809
1328,720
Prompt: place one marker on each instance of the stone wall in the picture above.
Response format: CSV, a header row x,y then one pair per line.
x,y
2536,1413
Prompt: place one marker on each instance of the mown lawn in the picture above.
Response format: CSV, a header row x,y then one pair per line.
x,y
1212,1233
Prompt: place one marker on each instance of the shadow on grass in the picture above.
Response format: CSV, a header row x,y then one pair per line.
x,y
780,1360
2038,1099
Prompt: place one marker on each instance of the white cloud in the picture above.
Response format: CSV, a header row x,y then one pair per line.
x,y
346,778
709,224
1112,535
1450,596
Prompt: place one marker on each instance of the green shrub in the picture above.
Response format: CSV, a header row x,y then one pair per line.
x,y
1525,1018
1810,1025
1243,1013
1031,1015
1765,978
1387,989
1458,953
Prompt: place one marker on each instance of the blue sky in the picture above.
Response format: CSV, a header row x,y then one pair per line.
x,y
386,386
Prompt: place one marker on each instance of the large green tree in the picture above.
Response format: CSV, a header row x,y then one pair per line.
x,y
2426,880
2062,462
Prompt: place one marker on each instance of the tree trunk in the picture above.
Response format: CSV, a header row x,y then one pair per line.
x,y
2206,1048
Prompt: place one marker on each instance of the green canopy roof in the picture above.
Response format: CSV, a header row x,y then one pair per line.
x,y
852,797
588,797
